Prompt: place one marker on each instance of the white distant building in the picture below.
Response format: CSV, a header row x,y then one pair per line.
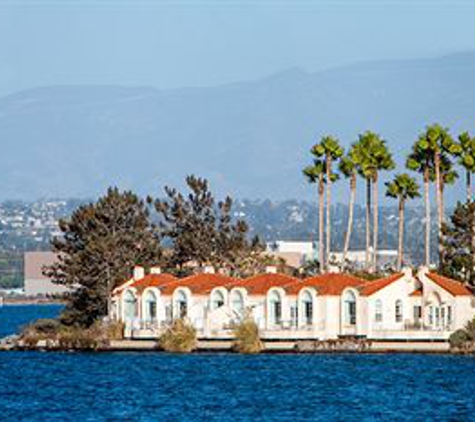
x,y
294,253
386,258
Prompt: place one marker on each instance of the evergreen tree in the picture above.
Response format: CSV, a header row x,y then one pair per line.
x,y
100,245
458,260
203,232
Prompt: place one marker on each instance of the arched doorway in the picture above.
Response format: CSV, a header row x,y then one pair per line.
x,y
349,309
275,308
150,301
237,303
130,305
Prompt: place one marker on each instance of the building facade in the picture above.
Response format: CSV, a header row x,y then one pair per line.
x,y
405,306
35,282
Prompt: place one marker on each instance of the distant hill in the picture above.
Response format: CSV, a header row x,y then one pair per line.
x,y
251,139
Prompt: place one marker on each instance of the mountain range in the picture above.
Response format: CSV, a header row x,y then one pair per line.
x,y
251,139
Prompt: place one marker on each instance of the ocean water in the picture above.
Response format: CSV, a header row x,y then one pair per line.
x,y
223,387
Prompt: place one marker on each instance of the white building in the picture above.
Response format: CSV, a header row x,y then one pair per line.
x,y
404,306
294,253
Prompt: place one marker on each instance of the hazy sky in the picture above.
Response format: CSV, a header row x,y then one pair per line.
x,y
174,44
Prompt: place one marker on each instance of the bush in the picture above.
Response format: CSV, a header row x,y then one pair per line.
x,y
464,338
247,339
45,327
77,338
180,337
459,339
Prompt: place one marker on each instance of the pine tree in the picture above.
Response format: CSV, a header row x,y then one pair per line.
x,y
100,244
458,261
203,232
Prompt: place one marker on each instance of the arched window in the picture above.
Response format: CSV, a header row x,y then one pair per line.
x,y
307,308
130,305
218,300
398,310
350,308
378,311
237,303
181,305
275,303
150,306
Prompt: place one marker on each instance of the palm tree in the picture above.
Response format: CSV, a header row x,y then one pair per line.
x,y
437,140
348,167
373,156
448,176
467,160
403,187
329,150
421,160
316,174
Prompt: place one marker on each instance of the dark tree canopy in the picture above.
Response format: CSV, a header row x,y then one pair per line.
x,y
101,244
203,231
459,247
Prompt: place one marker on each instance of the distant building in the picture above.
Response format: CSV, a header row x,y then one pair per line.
x,y
386,258
36,283
294,253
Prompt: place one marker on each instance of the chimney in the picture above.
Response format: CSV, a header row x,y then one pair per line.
x,y
139,273
155,270
423,270
407,271
271,269
208,269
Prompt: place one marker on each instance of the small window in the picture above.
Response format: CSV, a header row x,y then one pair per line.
x,y
294,315
398,311
378,311
417,312
449,315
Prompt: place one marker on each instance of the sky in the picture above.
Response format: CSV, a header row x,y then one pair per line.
x,y
170,44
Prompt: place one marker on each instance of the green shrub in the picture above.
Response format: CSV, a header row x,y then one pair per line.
x,y
459,339
464,338
180,337
46,327
246,337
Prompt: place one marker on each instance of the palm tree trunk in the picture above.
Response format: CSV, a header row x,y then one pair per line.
x,y
328,234
438,193
400,249
427,205
368,223
469,186
351,207
321,204
375,223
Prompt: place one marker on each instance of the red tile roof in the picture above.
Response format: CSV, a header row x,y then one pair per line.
x,y
200,284
260,284
331,284
153,280
452,286
372,287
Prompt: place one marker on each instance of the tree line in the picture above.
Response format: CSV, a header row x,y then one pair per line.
x,y
433,156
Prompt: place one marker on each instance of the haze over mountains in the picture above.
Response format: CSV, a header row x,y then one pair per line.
x,y
251,138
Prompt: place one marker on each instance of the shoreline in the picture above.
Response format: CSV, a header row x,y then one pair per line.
x,y
31,302
11,343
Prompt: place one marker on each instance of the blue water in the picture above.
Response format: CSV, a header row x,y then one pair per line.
x,y
13,318
159,387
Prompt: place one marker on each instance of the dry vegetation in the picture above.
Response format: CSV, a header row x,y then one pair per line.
x,y
51,333
247,339
180,337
